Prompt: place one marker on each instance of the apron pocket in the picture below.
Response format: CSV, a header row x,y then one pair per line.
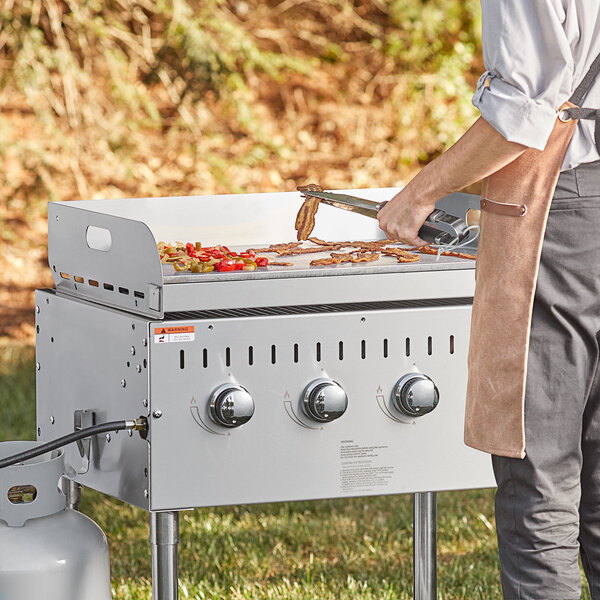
x,y
575,203
588,179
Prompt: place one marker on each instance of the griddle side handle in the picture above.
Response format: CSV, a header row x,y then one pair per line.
x,y
106,259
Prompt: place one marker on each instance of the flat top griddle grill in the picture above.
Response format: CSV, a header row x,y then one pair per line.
x,y
123,334
105,251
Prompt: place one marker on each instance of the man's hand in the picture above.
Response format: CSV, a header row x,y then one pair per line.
x,y
402,217
479,153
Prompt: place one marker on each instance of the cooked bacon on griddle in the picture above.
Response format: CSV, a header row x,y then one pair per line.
x,y
322,262
352,257
319,242
369,246
280,264
297,251
459,254
276,247
341,258
430,250
400,254
365,257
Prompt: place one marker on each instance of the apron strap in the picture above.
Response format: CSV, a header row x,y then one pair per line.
x,y
579,94
584,87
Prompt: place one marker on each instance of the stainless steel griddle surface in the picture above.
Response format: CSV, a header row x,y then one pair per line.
x,y
301,267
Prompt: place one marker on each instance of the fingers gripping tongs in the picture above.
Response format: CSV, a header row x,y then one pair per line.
x,y
440,227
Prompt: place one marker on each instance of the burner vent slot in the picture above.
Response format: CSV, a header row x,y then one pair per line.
x,y
182,359
271,354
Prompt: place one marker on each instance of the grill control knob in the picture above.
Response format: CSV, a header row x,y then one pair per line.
x,y
231,405
324,400
415,395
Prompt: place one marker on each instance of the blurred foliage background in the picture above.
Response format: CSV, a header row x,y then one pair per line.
x,y
122,98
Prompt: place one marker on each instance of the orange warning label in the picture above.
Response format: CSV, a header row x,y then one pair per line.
x,y
169,330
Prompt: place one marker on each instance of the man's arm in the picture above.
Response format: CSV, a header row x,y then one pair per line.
x,y
480,152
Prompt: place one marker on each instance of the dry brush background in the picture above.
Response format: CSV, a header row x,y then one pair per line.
x,y
123,98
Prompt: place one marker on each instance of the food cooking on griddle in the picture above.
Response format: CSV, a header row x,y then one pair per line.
x,y
198,259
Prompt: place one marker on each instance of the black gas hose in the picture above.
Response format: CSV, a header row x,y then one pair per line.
x,y
140,424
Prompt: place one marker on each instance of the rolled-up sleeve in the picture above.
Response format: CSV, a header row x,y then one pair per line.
x,y
529,68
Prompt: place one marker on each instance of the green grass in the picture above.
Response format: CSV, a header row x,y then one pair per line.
x,y
327,550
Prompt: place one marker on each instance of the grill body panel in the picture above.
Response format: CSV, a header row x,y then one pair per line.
x,y
279,455
83,351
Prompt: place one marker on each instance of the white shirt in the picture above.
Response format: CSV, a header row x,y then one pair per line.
x,y
536,52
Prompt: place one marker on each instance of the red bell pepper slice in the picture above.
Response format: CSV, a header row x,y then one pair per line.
x,y
225,265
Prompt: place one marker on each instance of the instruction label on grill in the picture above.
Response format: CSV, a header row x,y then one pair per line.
x,y
364,468
163,335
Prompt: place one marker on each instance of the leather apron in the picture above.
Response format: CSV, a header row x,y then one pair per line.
x,y
514,209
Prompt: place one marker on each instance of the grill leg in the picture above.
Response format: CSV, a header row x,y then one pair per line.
x,y
424,546
164,537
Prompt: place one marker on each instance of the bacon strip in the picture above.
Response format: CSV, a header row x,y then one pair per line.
x,y
430,250
366,257
400,254
336,259
341,258
370,246
322,262
276,247
305,220
297,251
319,242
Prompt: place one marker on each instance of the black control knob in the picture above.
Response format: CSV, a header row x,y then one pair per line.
x,y
415,395
324,400
231,405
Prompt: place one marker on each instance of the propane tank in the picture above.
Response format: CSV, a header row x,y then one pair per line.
x,y
46,549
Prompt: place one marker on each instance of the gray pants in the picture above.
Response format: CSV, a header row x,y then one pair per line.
x,y
548,504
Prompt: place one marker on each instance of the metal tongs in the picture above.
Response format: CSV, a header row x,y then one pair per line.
x,y
440,227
